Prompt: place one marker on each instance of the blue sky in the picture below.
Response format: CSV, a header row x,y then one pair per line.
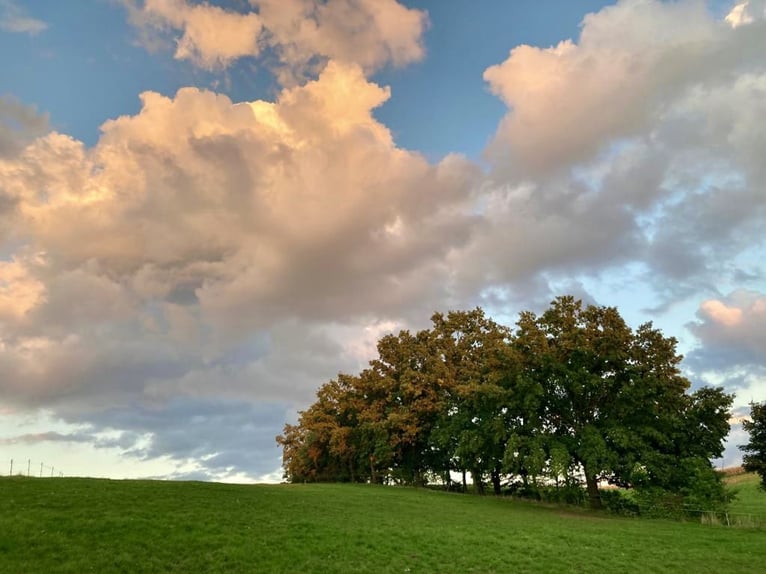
x,y
207,210
91,47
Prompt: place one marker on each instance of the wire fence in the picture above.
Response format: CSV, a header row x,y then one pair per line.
x,y
32,468
740,517
726,518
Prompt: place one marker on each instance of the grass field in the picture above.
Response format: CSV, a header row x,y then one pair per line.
x,y
89,525
749,507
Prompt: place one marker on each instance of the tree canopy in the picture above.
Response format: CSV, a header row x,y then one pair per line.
x,y
755,450
568,397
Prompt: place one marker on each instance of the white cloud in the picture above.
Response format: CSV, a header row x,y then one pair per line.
x,y
198,221
206,252
637,144
369,33
571,101
13,18
20,291
211,36
746,12
734,327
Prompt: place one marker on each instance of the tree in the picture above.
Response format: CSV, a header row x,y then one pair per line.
x,y
755,457
408,368
323,445
615,399
476,367
574,393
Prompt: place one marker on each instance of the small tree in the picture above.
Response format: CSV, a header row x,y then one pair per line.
x,y
755,457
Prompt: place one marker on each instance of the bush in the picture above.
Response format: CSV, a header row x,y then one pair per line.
x,y
568,494
656,502
620,502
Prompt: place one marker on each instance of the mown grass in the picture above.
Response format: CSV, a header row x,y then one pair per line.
x,y
749,506
89,525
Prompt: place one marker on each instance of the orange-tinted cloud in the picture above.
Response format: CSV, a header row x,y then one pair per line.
x,y
369,33
20,290
735,325
721,313
200,215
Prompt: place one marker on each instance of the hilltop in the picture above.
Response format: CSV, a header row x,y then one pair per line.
x,y
83,525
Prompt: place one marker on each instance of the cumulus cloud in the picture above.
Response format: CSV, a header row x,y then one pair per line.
x,y
731,346
570,101
302,34
13,18
215,262
208,251
20,292
211,37
635,144
240,204
200,231
746,12
733,330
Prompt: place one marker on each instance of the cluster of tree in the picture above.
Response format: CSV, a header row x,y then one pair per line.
x,y
755,450
569,396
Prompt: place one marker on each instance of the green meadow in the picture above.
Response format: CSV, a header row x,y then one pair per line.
x,y
90,525
749,506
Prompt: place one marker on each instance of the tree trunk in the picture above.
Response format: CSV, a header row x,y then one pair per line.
x,y
477,483
496,481
465,482
594,497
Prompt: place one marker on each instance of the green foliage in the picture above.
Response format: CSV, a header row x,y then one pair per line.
x,y
621,502
570,395
755,450
86,525
656,502
704,488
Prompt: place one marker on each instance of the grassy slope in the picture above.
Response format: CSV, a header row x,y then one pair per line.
x,y
87,525
751,499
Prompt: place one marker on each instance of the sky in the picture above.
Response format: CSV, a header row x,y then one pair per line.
x,y
209,209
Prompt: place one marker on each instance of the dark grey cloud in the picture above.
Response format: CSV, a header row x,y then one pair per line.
x,y
50,436
222,437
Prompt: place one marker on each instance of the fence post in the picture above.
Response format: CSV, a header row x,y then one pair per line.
x,y
41,470
29,465
11,472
